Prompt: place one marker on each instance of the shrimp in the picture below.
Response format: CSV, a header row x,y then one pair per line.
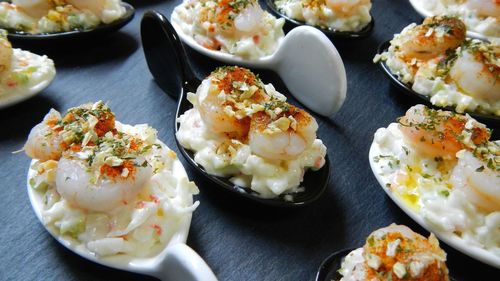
x,y
346,8
55,134
284,136
479,179
432,38
6,54
400,252
477,72
437,133
237,19
116,186
107,10
34,8
44,143
487,8
224,99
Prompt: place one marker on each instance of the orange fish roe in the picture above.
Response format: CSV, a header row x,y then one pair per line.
x,y
114,172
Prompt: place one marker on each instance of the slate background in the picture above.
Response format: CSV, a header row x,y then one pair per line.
x,y
238,242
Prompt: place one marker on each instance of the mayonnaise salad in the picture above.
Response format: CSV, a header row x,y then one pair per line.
x,y
339,15
108,189
21,71
240,27
481,16
438,61
49,16
396,253
443,167
245,130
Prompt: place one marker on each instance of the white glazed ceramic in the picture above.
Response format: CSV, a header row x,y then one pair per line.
x,y
419,7
454,241
11,99
306,60
177,262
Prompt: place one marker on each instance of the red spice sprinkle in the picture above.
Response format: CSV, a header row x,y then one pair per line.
x,y
154,199
256,39
140,205
11,84
125,202
76,147
157,228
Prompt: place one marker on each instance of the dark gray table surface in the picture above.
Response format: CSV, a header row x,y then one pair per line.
x,y
238,243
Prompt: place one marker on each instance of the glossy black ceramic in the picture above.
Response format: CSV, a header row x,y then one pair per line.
x,y
365,32
26,38
406,88
164,55
328,270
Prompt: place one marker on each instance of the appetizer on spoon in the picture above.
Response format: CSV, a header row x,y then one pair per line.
x,y
22,74
441,169
437,61
219,145
393,253
243,129
48,19
336,18
482,17
240,28
243,34
113,193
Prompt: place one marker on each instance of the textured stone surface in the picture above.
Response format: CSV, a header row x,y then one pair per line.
x,y
238,242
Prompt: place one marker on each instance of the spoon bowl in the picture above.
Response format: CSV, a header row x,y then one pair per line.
x,y
328,270
335,34
9,100
407,89
176,262
306,60
50,38
164,52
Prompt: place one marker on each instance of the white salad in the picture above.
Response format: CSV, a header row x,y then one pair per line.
x,y
396,253
245,130
443,167
22,73
108,189
481,16
438,61
339,15
49,16
240,28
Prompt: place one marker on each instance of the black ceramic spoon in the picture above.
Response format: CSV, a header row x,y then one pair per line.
x,y
406,88
329,268
365,32
23,37
168,64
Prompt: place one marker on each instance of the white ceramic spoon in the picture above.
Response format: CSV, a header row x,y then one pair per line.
x,y
307,62
418,5
32,88
177,262
451,239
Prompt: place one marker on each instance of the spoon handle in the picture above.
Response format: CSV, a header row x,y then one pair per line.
x,y
183,263
164,53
